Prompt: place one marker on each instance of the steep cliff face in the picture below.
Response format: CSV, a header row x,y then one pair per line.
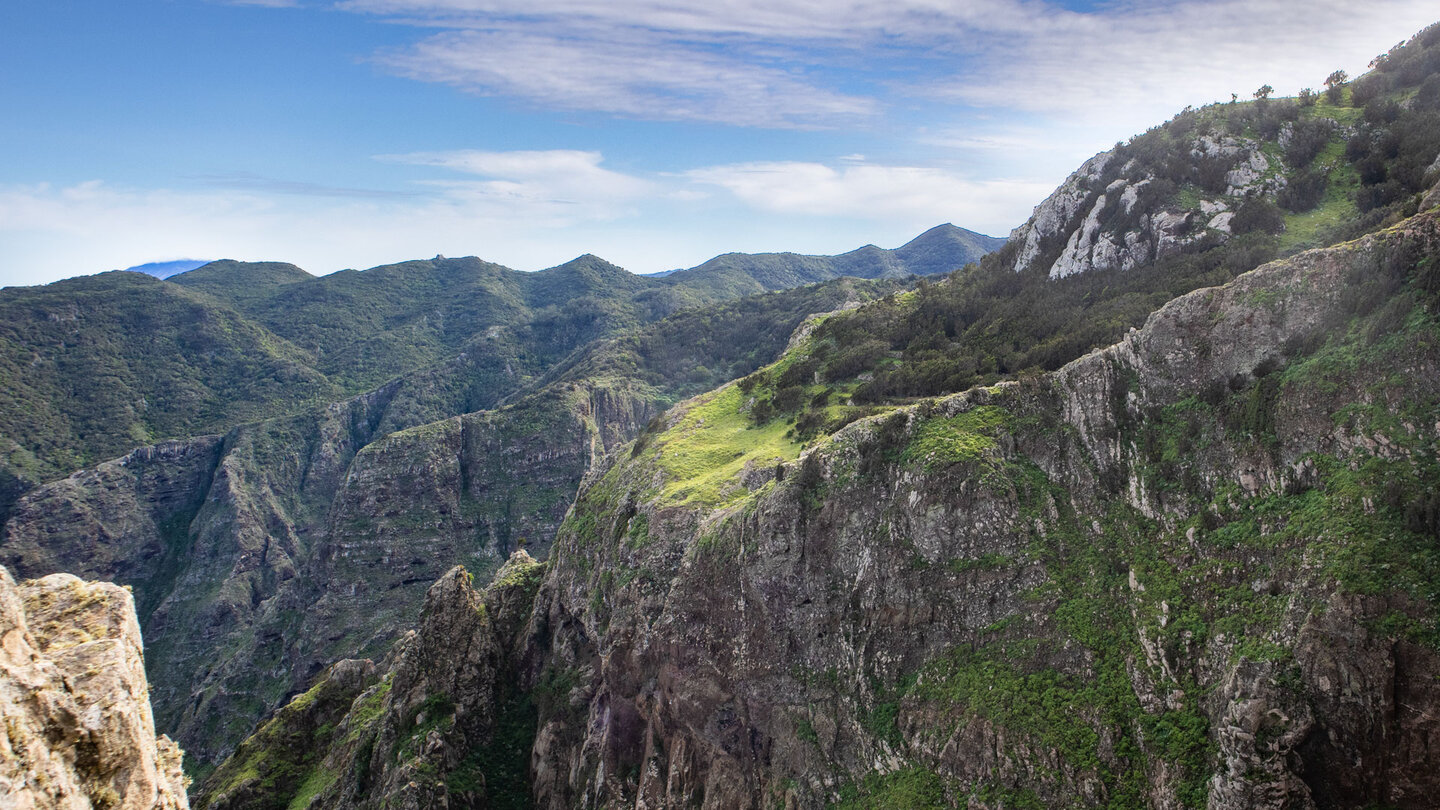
x,y
207,531
262,556
78,729
1195,569
441,724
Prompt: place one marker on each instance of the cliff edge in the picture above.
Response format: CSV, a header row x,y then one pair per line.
x,y
78,728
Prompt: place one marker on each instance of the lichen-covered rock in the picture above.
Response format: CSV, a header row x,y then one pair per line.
x,y
78,727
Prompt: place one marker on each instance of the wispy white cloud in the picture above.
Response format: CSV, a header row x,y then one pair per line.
x,y
49,232
627,72
777,63
248,181
772,20
1141,61
747,63
877,193
528,209
561,186
566,170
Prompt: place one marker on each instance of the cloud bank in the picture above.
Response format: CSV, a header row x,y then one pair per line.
x,y
823,63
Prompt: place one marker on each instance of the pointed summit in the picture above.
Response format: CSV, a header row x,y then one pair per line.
x,y
938,249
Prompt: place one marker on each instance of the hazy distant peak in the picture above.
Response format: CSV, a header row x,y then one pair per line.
x,y
167,269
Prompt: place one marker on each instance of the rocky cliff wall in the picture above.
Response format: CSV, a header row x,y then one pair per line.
x,y
261,557
1193,184
441,722
1106,215
78,728
1195,569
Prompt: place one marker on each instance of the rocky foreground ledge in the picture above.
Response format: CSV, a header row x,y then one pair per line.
x,y
78,728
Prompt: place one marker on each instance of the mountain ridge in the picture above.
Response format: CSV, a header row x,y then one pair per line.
x,y
992,597
1115,578
1020,537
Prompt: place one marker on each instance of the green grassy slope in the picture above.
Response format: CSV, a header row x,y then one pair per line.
x,y
95,366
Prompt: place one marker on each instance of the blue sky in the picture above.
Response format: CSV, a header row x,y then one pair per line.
x,y
654,133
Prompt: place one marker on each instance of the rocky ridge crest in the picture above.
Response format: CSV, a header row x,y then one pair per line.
x,y
1107,215
441,722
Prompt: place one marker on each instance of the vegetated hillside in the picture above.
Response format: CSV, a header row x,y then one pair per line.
x,y
1196,568
367,327
97,366
1199,568
1210,194
262,555
244,285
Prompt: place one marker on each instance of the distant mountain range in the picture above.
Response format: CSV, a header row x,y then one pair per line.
x,y
931,252
97,365
934,251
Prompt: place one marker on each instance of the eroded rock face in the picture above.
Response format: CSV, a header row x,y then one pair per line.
x,y
1113,214
263,556
1049,609
441,723
79,732
1052,217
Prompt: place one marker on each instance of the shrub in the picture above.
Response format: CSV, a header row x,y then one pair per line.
x,y
1304,191
1257,214
1307,138
1368,87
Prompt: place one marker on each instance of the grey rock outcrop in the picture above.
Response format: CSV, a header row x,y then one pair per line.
x,y
1109,214
78,727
